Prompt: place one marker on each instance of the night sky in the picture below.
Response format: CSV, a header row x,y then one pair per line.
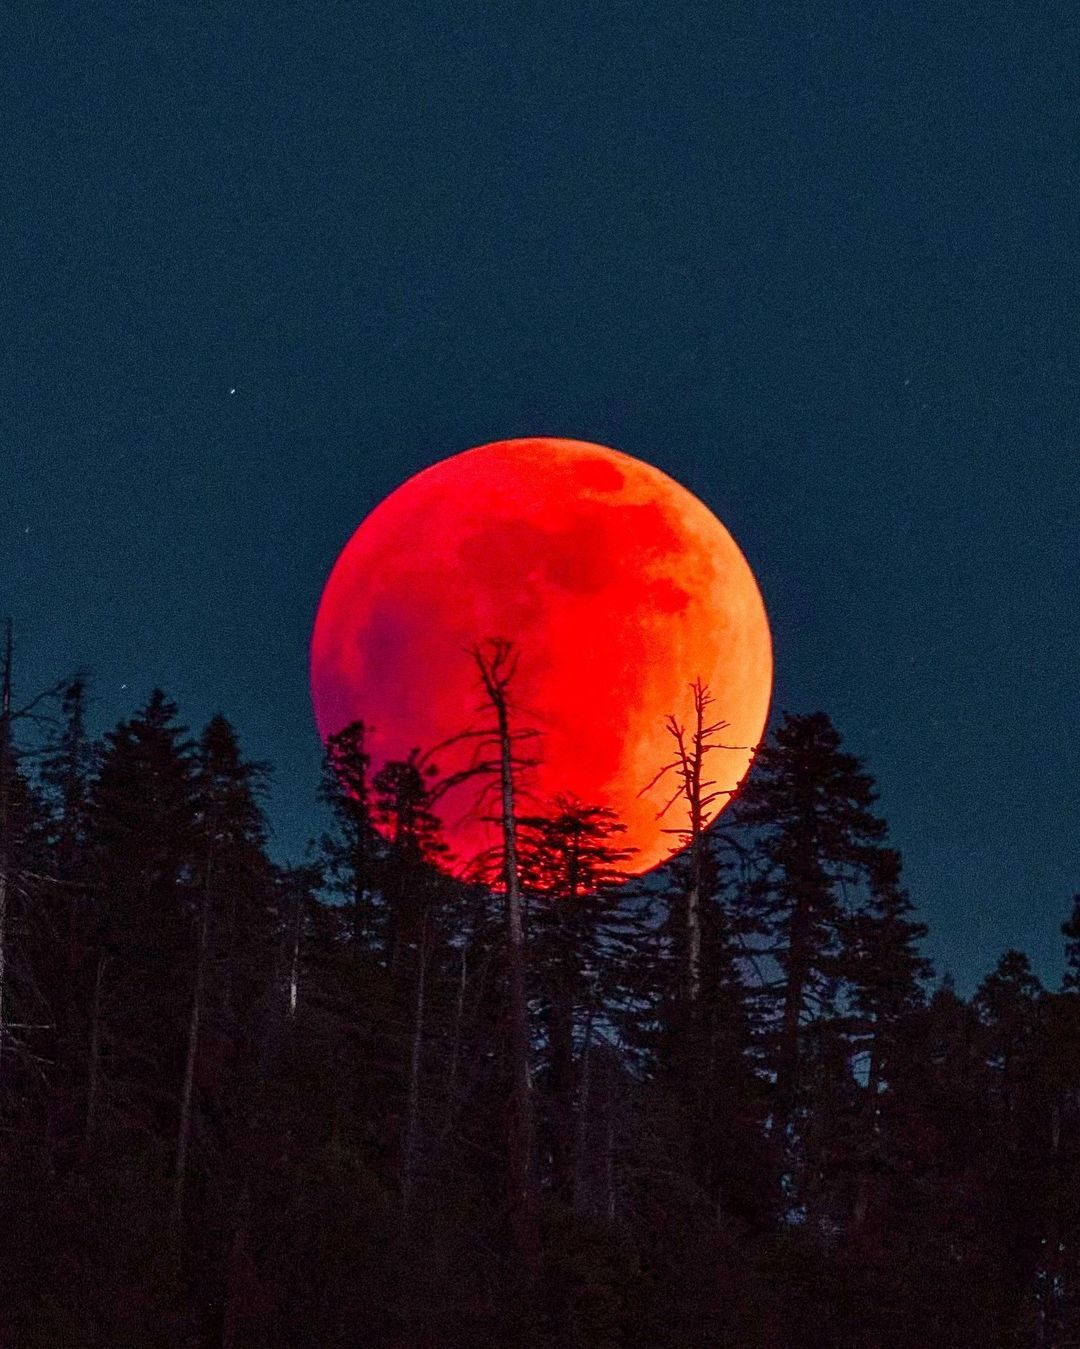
x,y
816,261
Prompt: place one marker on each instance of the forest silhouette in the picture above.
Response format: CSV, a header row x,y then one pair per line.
x,y
388,1097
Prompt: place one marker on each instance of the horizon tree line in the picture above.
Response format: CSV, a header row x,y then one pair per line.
x,y
244,1103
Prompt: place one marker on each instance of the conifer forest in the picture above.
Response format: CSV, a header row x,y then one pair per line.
x,y
382,1096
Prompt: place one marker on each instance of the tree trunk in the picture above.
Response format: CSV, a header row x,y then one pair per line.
x,y
561,1032
693,917
294,965
73,795
521,1109
582,1132
95,1057
694,790
521,1182
412,1108
861,1207
609,1163
241,1279
455,1044
184,1131
788,1056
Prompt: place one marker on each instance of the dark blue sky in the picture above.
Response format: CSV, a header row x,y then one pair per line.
x,y
817,261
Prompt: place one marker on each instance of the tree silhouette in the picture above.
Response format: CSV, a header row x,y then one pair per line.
x,y
496,663
351,854
811,807
254,1104
571,861
697,795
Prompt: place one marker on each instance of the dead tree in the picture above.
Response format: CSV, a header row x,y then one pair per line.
x,y
699,795
496,662
496,762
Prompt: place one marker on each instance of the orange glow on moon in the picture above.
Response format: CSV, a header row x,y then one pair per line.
x,y
617,587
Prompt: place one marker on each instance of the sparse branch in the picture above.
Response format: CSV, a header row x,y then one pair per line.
x,y
496,661
693,745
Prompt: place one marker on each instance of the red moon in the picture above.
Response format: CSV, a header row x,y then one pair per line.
x,y
617,588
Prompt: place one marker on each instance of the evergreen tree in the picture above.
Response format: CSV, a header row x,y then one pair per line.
x,y
66,770
884,974
330,1115
414,891
881,964
1018,1206
233,939
232,837
810,805
1071,931
925,1225
142,818
570,863
1008,1005
143,860
414,848
1057,1276
24,864
352,853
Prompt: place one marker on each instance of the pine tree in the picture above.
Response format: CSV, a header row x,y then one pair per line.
x,y
810,805
1021,1212
143,861
1057,1279
66,769
232,835
233,881
883,973
23,864
570,863
881,964
142,818
1070,930
1008,1004
404,811
353,852
413,888
295,899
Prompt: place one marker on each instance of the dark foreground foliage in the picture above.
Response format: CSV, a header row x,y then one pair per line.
x,y
243,1105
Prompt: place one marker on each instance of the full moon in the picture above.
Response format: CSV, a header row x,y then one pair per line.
x,y
617,587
